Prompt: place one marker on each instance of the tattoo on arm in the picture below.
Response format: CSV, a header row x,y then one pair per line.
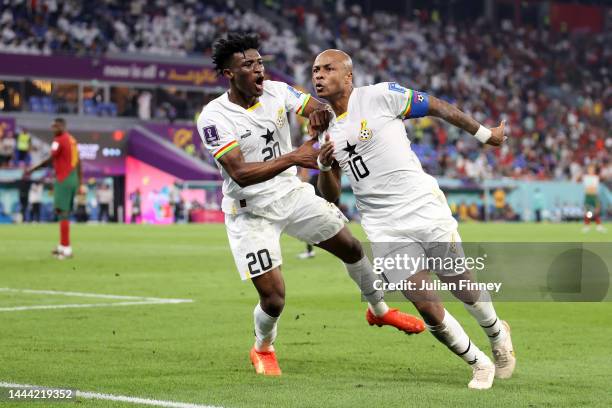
x,y
452,115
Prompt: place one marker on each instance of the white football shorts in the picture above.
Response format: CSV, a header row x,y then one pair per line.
x,y
254,237
424,239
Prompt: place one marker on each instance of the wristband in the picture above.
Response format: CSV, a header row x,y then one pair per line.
x,y
483,134
322,167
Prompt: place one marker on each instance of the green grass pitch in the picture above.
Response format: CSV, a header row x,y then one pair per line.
x,y
198,352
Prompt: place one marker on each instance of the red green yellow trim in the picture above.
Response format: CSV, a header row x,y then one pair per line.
x,y
406,111
228,147
342,116
301,110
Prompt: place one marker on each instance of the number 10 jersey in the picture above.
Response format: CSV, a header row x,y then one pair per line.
x,y
372,148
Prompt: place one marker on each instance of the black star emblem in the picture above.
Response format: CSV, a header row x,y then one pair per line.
x,y
269,136
350,149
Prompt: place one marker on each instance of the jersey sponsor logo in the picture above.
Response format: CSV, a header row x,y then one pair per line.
x,y
245,135
365,134
294,91
395,87
211,136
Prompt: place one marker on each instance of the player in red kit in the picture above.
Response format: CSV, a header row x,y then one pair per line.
x,y
67,166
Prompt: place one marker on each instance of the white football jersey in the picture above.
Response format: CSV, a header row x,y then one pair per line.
x,y
373,150
261,132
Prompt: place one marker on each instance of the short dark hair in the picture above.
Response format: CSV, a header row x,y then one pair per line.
x,y
234,42
61,121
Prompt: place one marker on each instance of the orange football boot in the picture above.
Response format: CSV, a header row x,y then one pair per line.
x,y
265,362
405,322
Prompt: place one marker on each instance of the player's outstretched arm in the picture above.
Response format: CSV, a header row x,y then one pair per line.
x,y
44,163
454,116
249,173
328,181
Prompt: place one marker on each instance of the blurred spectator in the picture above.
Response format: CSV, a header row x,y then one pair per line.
x,y
499,202
538,204
510,214
24,192
81,204
174,199
24,145
144,105
35,199
104,195
136,206
463,211
474,212
7,148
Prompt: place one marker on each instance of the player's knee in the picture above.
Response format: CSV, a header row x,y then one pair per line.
x,y
273,304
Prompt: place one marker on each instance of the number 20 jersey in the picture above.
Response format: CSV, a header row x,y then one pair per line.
x,y
262,133
373,150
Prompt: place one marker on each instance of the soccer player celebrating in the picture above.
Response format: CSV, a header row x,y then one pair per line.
x,y
246,131
399,202
67,166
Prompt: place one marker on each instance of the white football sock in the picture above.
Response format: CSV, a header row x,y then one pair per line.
x,y
379,309
265,329
362,274
484,313
451,334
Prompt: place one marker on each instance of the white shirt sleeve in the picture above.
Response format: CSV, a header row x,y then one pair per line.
x,y
295,101
217,139
397,101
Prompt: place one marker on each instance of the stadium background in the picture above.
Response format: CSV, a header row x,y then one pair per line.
x,y
129,77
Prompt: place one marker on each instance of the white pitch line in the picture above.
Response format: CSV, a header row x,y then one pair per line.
x,y
134,300
120,398
75,305
82,294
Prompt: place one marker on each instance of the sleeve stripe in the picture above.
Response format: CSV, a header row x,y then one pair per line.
x,y
228,147
301,110
406,111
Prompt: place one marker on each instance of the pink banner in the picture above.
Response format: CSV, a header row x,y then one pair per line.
x,y
155,188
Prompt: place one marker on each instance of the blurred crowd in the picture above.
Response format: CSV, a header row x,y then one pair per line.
x,y
159,27
553,88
